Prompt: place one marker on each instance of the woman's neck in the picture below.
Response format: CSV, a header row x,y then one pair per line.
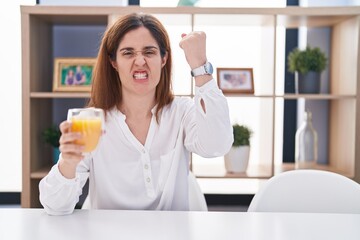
x,y
137,107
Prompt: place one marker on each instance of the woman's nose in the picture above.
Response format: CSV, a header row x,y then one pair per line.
x,y
140,60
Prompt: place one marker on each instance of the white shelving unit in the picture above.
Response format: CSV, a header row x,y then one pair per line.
x,y
38,23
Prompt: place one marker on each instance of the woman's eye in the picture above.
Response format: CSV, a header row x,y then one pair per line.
x,y
150,53
128,53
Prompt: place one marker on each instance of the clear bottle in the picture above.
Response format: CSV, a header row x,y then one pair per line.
x,y
306,144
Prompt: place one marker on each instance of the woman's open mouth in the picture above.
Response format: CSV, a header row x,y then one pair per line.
x,y
140,76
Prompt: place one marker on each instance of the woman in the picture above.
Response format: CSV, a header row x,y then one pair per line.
x,y
142,160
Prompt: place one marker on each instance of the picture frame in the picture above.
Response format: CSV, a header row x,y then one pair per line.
x,y
236,80
73,74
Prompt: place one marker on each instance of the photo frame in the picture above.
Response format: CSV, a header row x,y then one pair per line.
x,y
73,74
236,80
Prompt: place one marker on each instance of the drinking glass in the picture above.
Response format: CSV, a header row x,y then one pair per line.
x,y
89,122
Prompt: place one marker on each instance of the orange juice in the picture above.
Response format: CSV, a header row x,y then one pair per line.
x,y
90,128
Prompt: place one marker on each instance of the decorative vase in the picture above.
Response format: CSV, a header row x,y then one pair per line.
x,y
308,82
56,153
306,144
237,159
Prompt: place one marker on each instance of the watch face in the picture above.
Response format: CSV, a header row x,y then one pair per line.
x,y
209,68
205,69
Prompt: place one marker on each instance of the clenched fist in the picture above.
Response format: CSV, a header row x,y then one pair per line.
x,y
194,46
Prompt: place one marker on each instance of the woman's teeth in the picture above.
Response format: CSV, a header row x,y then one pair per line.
x,y
140,75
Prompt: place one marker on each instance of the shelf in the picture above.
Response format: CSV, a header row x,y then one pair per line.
x,y
59,95
39,174
42,107
316,96
310,21
286,96
295,96
218,171
291,166
75,95
248,95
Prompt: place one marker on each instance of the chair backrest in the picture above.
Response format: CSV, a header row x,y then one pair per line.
x,y
196,197
307,191
86,204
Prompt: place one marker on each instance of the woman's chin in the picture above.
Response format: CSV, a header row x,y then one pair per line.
x,y
141,80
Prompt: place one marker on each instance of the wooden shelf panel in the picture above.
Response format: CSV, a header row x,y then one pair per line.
x,y
291,166
295,96
72,19
248,95
255,171
316,96
218,171
39,174
290,17
75,95
310,21
106,10
285,96
59,95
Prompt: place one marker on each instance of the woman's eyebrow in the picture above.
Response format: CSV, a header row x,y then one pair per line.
x,y
132,49
126,49
150,47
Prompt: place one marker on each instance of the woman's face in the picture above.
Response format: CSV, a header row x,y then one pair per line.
x,y
139,63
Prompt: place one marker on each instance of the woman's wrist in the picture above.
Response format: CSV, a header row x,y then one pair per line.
x,y
201,80
67,169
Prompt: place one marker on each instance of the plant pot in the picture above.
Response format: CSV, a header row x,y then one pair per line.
x,y
308,82
56,153
237,159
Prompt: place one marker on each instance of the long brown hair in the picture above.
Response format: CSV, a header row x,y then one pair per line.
x,y
106,85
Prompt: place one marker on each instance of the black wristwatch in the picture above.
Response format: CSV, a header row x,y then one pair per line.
x,y
205,69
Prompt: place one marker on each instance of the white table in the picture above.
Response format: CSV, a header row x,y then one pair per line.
x,y
110,224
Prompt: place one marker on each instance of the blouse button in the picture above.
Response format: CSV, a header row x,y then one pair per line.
x,y
143,150
146,166
148,179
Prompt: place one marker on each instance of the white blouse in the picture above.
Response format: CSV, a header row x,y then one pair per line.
x,y
124,174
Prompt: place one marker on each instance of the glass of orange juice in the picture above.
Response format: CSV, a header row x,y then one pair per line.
x,y
89,122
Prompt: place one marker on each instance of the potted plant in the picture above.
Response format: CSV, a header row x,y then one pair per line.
x,y
51,135
237,159
307,65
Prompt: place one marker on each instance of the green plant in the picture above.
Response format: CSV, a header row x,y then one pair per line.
x,y
303,61
242,135
52,135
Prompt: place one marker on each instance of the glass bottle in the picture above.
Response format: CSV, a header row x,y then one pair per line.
x,y
306,144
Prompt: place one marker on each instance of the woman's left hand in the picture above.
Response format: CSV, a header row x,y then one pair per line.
x,y
194,46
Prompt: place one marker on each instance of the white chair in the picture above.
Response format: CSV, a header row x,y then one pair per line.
x,y
196,197
308,191
86,204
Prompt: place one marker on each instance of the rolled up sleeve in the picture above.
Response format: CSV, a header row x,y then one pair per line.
x,y
59,195
209,132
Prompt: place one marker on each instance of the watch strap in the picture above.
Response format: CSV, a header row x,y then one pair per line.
x,y
205,69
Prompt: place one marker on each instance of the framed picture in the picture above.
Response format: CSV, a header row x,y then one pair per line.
x,y
235,80
73,74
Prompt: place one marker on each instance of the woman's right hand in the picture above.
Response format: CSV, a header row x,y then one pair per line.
x,y
71,153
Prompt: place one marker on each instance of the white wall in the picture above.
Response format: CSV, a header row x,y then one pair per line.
x,y
10,95
10,92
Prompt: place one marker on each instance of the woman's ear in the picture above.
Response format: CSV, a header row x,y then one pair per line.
x,y
164,59
113,64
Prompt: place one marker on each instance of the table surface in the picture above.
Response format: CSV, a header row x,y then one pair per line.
x,y
116,224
